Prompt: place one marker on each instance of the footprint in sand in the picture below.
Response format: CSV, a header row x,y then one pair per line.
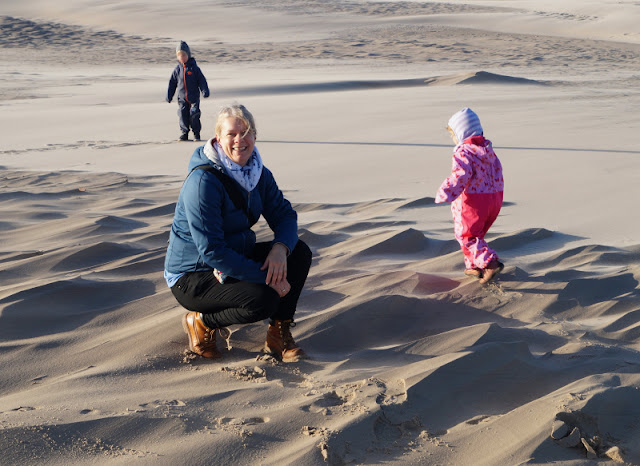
x,y
238,426
159,404
251,421
89,411
255,374
328,400
478,419
25,408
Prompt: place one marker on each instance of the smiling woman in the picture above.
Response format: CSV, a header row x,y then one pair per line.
x,y
214,266
236,133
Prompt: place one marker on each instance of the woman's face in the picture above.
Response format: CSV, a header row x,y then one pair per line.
x,y
235,141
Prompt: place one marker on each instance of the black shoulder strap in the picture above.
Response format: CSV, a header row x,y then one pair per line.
x,y
232,190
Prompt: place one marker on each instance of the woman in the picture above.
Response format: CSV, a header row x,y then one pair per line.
x,y
214,266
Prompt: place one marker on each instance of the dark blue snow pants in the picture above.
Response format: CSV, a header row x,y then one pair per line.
x,y
189,114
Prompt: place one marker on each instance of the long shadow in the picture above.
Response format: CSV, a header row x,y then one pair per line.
x,y
339,86
480,77
368,143
338,143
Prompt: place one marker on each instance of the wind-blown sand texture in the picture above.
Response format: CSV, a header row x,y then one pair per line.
x,y
411,361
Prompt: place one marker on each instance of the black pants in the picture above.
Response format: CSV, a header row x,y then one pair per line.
x,y
241,302
189,114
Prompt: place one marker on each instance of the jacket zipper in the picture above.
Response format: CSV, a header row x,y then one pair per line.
x,y
184,80
249,205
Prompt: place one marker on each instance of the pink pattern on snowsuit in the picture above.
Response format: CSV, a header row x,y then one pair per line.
x,y
474,188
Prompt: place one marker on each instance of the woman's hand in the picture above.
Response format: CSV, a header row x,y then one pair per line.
x,y
276,266
282,288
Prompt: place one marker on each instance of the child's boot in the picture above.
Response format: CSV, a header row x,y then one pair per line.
x,y
493,269
476,273
184,137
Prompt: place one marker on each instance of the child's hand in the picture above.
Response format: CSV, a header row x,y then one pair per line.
x,y
205,94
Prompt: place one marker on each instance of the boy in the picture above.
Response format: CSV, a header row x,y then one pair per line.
x,y
474,188
189,81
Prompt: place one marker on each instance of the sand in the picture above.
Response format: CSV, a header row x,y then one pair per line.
x,y
410,361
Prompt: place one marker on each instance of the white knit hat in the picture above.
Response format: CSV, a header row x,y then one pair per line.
x,y
465,124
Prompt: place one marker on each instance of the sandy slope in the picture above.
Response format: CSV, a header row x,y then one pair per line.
x,y
411,363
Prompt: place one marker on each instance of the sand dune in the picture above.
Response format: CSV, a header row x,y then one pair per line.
x,y
480,77
484,77
411,362
398,337
395,42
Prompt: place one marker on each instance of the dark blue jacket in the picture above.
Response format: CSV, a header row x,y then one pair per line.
x,y
208,231
189,81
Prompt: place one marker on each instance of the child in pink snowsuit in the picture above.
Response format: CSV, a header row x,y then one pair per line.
x,y
474,189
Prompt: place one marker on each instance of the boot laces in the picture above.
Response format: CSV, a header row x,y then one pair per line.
x,y
285,332
225,334
209,335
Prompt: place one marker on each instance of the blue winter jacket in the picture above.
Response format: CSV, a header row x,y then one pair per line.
x,y
189,81
209,232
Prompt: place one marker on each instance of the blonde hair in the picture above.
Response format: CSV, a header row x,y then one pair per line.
x,y
241,113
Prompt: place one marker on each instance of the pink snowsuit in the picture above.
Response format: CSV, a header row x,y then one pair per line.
x,y
475,189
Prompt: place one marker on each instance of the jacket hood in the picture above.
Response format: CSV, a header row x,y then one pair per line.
x,y
465,124
478,141
205,155
476,146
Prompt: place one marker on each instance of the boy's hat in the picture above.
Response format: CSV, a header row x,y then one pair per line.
x,y
465,124
182,46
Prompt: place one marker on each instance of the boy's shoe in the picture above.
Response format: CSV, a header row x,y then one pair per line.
x,y
493,269
202,339
280,343
184,137
196,136
476,273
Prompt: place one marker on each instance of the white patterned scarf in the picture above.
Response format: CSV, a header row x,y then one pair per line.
x,y
247,176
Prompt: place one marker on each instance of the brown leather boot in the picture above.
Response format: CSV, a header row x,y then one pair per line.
x,y
280,343
202,339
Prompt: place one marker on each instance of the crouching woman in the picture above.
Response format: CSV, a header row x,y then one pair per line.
x,y
214,266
